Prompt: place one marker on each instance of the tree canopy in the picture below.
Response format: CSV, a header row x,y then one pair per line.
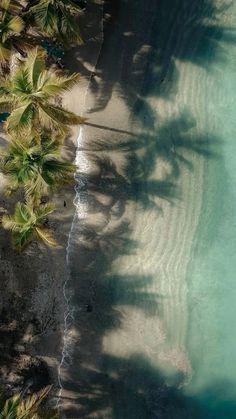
x,y
37,123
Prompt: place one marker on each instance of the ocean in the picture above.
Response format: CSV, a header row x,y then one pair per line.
x,y
151,251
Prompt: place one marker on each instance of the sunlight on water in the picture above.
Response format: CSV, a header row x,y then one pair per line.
x,y
152,246
211,275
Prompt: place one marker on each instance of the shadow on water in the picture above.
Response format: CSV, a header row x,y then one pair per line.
x,y
174,145
129,388
146,51
134,389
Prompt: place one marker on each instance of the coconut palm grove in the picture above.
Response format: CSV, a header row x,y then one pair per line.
x,y
117,209
36,124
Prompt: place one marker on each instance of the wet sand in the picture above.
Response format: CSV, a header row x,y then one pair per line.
x,y
32,304
140,172
140,160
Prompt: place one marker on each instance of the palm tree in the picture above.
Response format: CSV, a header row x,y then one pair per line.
x,y
18,408
36,166
27,223
57,18
28,94
11,26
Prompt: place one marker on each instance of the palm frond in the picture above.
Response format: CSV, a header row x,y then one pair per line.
x,y
9,223
21,238
27,222
69,30
16,24
11,27
14,409
60,117
5,53
35,64
44,16
20,118
57,84
35,187
21,85
23,43
24,214
28,92
10,408
43,211
10,6
12,182
29,407
72,6
5,90
57,19
46,236
34,164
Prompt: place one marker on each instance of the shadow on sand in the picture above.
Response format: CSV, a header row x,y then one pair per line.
x,y
174,145
144,65
122,388
19,371
134,389
145,50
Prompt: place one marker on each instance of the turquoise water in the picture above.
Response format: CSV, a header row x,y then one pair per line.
x,y
151,250
212,274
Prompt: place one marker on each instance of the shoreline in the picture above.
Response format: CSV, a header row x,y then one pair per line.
x,y
132,221
128,294
32,282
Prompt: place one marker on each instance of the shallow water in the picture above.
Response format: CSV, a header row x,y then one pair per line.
x,y
211,275
153,238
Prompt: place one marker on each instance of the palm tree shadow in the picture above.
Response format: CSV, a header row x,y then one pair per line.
x,y
131,290
101,297
145,59
98,296
133,388
146,49
174,145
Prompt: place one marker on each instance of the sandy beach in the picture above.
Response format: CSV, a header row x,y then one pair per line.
x,y
127,297
105,317
138,203
32,282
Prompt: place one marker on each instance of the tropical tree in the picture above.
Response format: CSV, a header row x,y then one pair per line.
x,y
57,18
36,166
29,94
11,26
27,223
18,408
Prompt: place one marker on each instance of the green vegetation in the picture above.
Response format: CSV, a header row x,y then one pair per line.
x,y
57,18
29,93
28,222
35,165
11,26
18,408
32,161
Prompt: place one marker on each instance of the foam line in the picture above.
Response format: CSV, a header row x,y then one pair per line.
x,y
68,340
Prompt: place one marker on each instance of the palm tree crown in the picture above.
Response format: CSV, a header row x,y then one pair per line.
x,y
11,27
29,95
30,408
37,166
57,18
28,223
